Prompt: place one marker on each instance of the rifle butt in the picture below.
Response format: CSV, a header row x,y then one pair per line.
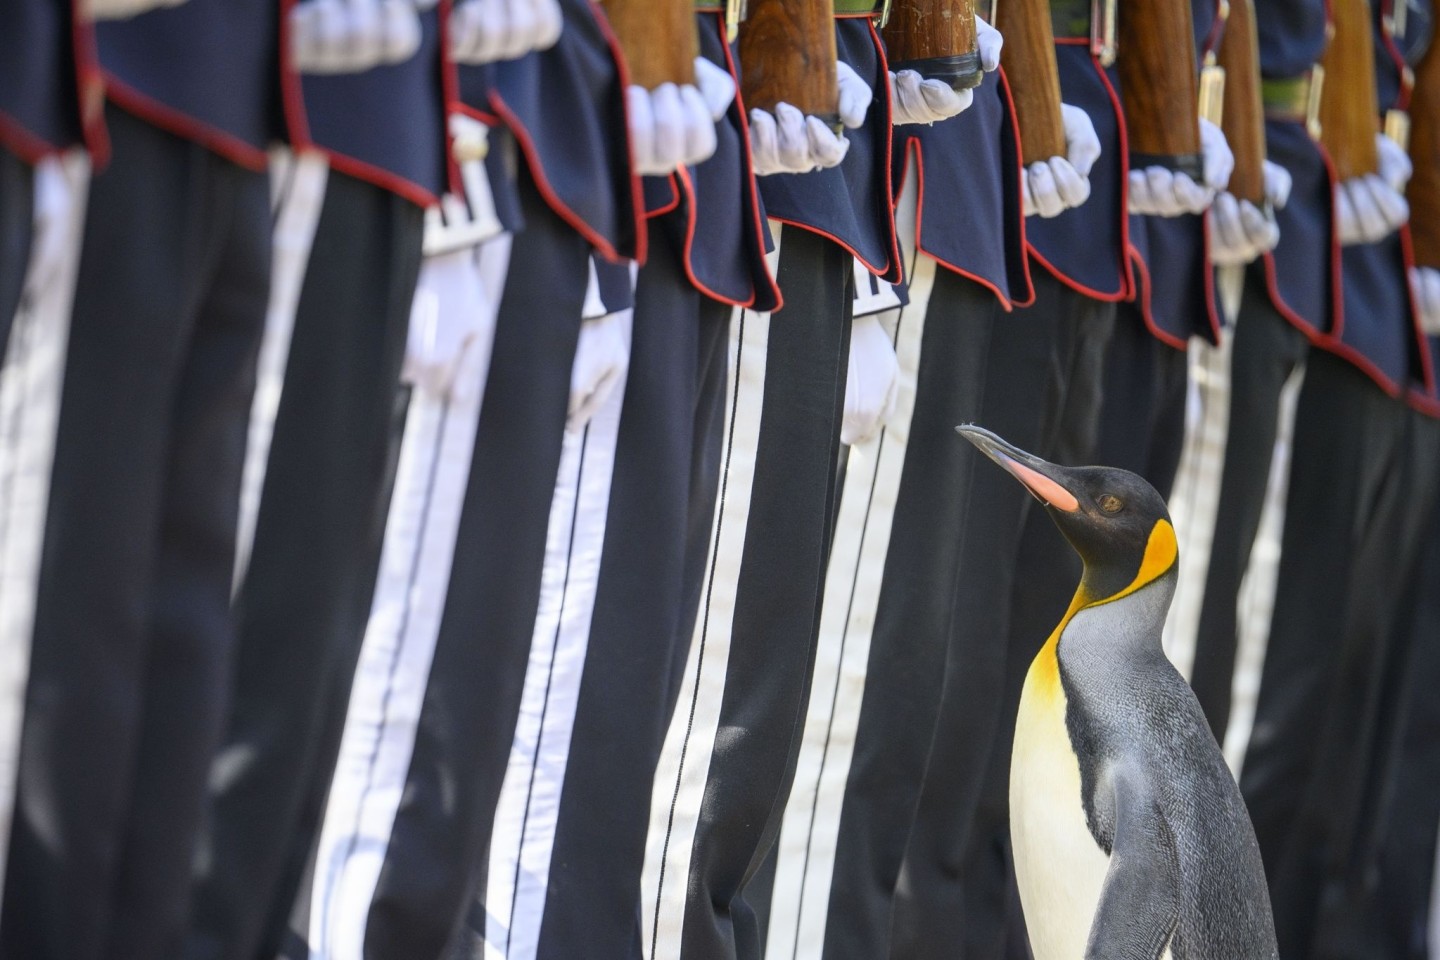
x,y
935,38
1244,111
1349,105
1159,82
1033,75
658,38
1424,190
787,55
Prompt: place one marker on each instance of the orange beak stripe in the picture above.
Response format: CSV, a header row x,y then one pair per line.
x,y
1041,485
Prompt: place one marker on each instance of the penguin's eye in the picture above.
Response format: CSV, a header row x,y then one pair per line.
x,y
1111,503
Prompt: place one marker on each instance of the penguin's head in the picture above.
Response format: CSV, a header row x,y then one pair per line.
x,y
1114,519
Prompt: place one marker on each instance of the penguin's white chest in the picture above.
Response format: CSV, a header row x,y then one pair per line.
x,y
1059,867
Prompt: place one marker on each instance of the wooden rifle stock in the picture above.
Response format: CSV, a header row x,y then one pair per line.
x,y
935,38
1424,190
1159,82
787,54
658,37
1349,105
1034,77
1244,114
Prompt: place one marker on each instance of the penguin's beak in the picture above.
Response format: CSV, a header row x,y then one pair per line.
x,y
1038,475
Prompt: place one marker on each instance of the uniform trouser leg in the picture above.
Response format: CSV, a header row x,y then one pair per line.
x,y
730,751
1345,486
592,900
434,859
16,216
1395,864
935,530
1038,357
1359,766
1142,418
129,668
965,898
1266,350
884,628
306,593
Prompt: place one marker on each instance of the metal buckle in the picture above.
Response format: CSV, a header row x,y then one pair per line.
x,y
734,12
1312,102
885,14
1102,31
1212,90
1397,128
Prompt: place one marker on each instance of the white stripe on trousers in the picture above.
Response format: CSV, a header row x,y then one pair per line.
x,y
690,739
809,833
527,814
30,390
1256,604
388,690
1194,506
297,195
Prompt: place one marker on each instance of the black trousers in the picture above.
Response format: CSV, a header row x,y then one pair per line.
x,y
709,835
663,485
1142,418
306,593
1383,908
130,668
904,675
430,886
1046,367
17,214
1266,351
1351,541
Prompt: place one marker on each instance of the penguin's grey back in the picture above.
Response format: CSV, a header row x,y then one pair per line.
x,y
1128,707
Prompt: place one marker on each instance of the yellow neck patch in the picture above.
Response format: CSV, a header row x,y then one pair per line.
x,y
1161,551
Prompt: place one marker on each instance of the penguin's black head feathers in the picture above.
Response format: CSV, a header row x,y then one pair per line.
x,y
1114,519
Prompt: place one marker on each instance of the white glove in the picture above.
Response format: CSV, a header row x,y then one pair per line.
x,y
717,87
1425,281
988,41
872,383
1160,192
447,317
787,141
123,9
1062,183
1371,207
1394,163
601,358
484,31
349,36
670,127
914,99
1241,231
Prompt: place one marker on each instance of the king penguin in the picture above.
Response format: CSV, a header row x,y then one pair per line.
x,y
1130,837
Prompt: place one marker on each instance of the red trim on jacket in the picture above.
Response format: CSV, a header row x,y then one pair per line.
x,y
637,191
913,145
1127,282
89,88
292,96
1142,300
17,139
757,214
157,114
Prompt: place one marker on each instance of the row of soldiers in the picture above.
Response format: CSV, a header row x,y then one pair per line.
x,y
469,487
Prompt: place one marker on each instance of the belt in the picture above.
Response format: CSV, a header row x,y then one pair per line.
x,y
1092,20
1295,98
856,6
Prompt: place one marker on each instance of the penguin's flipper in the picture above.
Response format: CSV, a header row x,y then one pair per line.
x,y
1140,901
